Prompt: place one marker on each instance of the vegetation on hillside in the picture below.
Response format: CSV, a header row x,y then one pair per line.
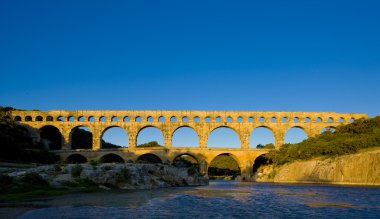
x,y
347,139
150,145
223,166
17,144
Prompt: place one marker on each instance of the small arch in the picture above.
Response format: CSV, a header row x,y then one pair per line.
x,y
307,119
81,138
208,119
262,119
81,119
223,136
240,119
60,118
328,129
161,119
126,119
91,119
197,119
39,119
102,119
186,161
149,119
51,137
295,135
28,119
76,159
250,119
218,119
185,119
229,119
341,120
273,119
330,120
138,119
149,158
224,166
319,119
71,118
185,136
111,158
261,137
114,119
49,118
284,119
173,119
296,119
17,118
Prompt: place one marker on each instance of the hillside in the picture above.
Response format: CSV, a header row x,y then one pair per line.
x,y
347,139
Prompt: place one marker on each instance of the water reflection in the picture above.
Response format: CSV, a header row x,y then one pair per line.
x,y
220,199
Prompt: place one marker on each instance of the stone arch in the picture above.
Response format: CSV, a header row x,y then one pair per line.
x,y
114,119
161,119
173,119
231,168
81,119
76,158
28,119
191,133
160,135
216,130
91,119
120,132
259,161
186,160
261,136
111,158
71,119
328,128
17,118
49,118
149,158
39,119
295,134
51,137
126,119
81,137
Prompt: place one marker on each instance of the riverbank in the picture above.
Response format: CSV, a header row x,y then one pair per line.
x,y
61,179
362,168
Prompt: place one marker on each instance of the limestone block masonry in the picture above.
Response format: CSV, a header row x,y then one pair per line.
x,y
202,122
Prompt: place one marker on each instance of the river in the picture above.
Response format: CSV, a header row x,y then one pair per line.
x,y
221,199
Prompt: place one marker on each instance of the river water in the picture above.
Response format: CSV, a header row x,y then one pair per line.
x,y
221,199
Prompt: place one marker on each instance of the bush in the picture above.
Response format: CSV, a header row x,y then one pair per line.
x,y
123,175
33,179
5,182
191,171
76,170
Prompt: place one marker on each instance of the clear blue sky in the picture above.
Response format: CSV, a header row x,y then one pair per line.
x,y
224,55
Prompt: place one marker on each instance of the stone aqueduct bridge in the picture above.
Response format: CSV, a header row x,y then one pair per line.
x,y
203,122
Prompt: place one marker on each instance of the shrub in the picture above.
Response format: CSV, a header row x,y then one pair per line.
x,y
123,175
76,170
33,179
5,182
191,171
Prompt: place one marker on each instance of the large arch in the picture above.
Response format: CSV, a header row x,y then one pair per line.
x,y
223,137
81,138
76,158
111,158
224,166
185,136
149,158
262,137
259,161
114,137
295,135
150,136
51,137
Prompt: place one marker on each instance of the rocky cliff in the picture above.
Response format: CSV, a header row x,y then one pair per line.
x,y
356,169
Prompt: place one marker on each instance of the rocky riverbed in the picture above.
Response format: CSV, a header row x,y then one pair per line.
x,y
120,176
